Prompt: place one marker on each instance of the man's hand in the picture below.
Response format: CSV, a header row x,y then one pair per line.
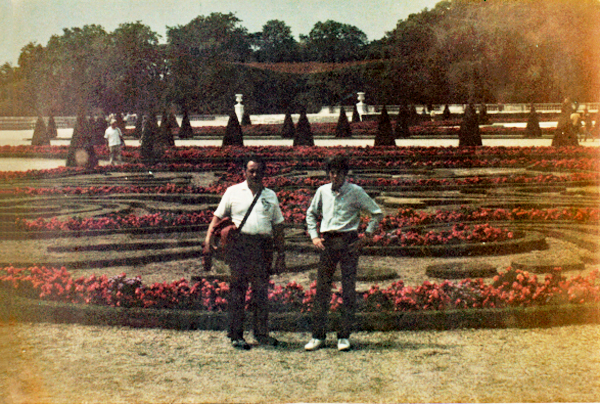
x,y
318,243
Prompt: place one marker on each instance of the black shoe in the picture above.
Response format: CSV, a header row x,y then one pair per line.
x,y
266,340
240,344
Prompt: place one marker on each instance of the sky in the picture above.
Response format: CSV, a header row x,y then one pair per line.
x,y
25,21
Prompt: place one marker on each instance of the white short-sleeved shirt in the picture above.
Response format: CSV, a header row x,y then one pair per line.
x,y
113,136
266,213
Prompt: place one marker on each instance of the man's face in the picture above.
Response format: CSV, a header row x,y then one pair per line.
x,y
254,173
337,178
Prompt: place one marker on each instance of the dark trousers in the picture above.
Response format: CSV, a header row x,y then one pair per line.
x,y
336,251
251,262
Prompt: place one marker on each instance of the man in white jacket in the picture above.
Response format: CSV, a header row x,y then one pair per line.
x,y
113,137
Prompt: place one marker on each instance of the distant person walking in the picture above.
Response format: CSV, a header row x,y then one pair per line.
x,y
114,138
340,204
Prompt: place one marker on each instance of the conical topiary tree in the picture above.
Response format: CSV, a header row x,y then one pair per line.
x,y
121,124
81,151
484,118
402,130
469,134
288,131
40,133
148,140
446,115
533,124
385,134
304,135
52,130
355,114
186,131
165,134
233,132
413,114
246,119
342,129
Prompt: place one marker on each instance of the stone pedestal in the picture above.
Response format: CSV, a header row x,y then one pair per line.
x,y
239,107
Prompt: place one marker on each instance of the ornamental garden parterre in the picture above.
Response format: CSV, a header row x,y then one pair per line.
x,y
451,204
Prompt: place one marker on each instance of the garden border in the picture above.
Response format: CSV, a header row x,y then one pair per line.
x,y
14,308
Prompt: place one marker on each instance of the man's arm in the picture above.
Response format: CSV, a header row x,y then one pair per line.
x,y
312,217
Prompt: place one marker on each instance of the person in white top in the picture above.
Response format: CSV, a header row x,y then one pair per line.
x,y
113,137
339,203
252,255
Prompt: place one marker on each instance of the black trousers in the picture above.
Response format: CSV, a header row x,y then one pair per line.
x,y
336,251
250,263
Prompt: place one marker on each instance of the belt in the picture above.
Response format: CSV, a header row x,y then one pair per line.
x,y
336,234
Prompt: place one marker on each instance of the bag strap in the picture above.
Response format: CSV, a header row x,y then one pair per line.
x,y
250,209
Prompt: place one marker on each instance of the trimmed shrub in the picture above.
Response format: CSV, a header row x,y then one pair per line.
x,y
342,129
288,131
446,115
304,135
233,132
533,124
148,140
484,118
246,119
81,151
355,114
385,134
469,134
402,130
40,134
186,131
52,131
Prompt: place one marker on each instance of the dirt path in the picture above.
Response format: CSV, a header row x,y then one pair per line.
x,y
75,364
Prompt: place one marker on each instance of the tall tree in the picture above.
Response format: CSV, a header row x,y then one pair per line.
x,y
275,43
334,42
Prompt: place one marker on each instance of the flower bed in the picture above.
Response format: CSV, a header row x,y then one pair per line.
x,y
512,288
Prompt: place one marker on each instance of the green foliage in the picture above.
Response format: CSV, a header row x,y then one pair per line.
x,y
149,137
334,42
402,130
533,129
276,44
342,129
186,131
81,151
40,134
468,134
233,132
385,135
355,114
288,131
246,119
52,130
304,135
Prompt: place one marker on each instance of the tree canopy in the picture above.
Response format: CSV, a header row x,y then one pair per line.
x,y
530,51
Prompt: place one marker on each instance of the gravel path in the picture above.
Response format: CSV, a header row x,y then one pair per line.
x,y
75,364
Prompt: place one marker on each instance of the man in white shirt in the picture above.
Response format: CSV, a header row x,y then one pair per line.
x,y
252,255
113,137
340,204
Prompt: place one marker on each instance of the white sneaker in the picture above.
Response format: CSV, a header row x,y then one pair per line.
x,y
343,344
314,344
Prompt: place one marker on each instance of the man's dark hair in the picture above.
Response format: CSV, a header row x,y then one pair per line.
x,y
253,157
337,163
